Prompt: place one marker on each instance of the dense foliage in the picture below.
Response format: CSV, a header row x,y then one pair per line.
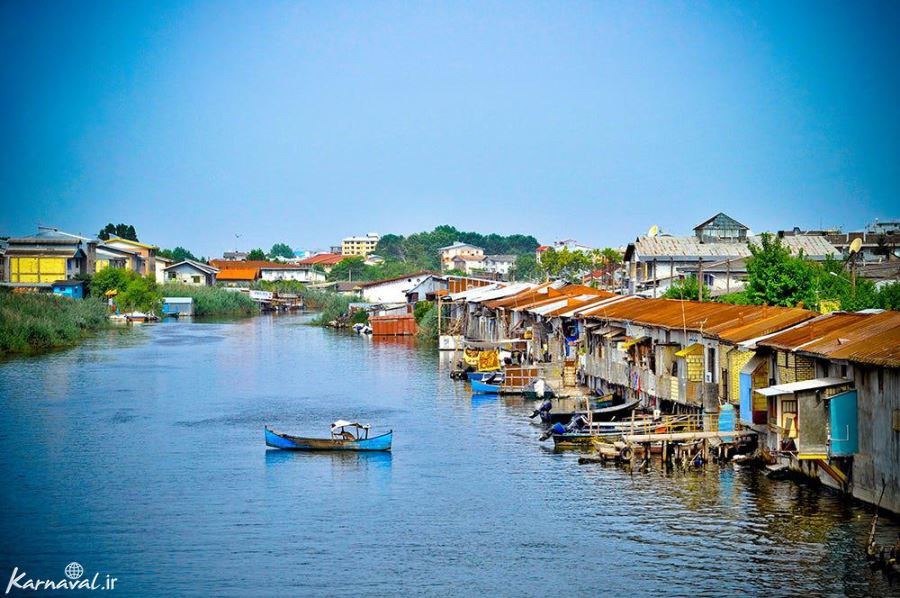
x,y
32,322
212,301
123,231
256,255
421,249
354,268
331,305
179,254
775,277
281,250
686,288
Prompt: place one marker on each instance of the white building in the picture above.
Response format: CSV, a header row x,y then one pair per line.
x,y
360,245
191,272
296,272
499,264
458,249
392,290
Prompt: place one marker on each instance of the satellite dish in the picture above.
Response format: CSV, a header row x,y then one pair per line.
x,y
654,230
855,246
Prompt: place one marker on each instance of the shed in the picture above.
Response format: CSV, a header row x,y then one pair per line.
x,y
393,325
73,289
178,306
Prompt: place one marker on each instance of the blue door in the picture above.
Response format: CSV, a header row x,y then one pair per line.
x,y
746,404
844,425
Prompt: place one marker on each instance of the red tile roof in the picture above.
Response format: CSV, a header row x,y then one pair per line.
x,y
325,259
238,274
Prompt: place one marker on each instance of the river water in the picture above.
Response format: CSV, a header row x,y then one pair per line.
x,y
140,454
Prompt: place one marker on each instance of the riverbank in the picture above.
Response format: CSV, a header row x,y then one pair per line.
x,y
32,323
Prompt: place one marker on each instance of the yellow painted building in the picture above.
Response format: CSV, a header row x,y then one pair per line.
x,y
37,269
146,254
359,245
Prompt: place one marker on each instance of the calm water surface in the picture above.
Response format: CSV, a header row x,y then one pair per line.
x,y
141,454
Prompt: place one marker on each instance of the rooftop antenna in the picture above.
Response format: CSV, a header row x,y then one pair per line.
x,y
654,231
855,246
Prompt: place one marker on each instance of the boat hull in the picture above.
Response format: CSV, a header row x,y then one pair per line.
x,y
480,387
296,443
472,376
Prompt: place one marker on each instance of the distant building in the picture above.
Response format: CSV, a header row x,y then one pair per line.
x,y
360,245
458,249
192,273
721,228
235,255
571,245
146,254
718,248
499,264
392,290
116,257
468,263
161,264
880,241
428,289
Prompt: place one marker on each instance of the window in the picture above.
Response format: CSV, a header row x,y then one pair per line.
x,y
196,279
171,276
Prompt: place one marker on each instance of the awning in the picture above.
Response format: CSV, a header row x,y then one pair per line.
x,y
695,349
634,341
805,385
494,344
342,423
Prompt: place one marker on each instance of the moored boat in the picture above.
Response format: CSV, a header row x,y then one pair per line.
x,y
345,436
598,415
484,388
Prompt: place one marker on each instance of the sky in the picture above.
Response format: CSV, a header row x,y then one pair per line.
x,y
223,125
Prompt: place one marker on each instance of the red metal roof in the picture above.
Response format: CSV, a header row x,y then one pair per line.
x,y
325,259
243,265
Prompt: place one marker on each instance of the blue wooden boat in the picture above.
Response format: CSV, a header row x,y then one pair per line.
x,y
342,439
483,388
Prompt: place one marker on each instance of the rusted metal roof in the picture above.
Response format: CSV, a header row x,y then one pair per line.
x,y
238,274
872,339
731,323
812,330
665,247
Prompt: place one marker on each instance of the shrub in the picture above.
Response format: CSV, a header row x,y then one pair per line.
x,y
31,322
212,301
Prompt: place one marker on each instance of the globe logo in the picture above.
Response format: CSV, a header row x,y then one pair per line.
x,y
74,570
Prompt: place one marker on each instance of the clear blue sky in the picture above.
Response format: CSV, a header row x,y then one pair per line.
x,y
307,122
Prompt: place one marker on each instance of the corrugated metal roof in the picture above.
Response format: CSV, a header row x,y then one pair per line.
x,y
732,323
872,339
691,247
812,330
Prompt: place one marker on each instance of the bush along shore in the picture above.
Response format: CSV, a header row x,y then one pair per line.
x,y
212,301
333,307
31,322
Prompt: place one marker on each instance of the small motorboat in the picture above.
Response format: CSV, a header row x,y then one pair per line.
x,y
599,415
345,436
480,387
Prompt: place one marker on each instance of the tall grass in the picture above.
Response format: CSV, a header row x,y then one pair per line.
x,y
212,301
32,322
331,304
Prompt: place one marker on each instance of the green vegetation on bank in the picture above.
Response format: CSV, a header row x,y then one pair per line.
x,y
331,305
355,268
32,322
776,277
212,301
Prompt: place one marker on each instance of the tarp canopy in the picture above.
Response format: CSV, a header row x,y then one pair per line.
x,y
342,423
634,341
493,344
695,349
793,387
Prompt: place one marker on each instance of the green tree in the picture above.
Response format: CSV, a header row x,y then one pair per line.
x,y
109,279
775,277
686,288
889,296
527,268
123,231
281,250
256,255
565,265
352,268
179,254
141,293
